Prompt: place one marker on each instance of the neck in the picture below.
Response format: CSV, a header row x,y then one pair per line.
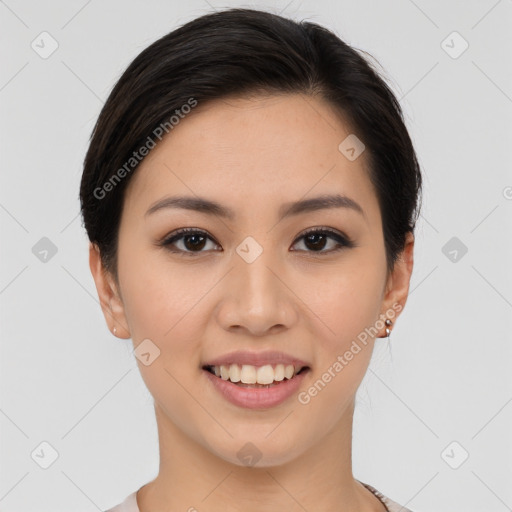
x,y
192,478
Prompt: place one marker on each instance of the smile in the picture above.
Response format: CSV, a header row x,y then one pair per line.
x,y
247,374
256,387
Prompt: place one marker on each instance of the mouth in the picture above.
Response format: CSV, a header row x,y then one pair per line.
x,y
249,376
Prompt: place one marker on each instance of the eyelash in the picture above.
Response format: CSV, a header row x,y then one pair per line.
x,y
342,241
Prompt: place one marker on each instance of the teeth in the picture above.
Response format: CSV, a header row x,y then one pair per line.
x,y
224,372
248,374
289,371
279,372
265,374
235,373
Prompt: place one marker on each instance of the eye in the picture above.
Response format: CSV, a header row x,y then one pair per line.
x,y
317,239
194,240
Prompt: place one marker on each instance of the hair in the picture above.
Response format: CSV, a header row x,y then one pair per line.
x,y
244,52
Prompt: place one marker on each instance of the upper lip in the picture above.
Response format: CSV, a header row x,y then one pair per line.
x,y
242,357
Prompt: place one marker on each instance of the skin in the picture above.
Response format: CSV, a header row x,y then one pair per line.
x,y
252,154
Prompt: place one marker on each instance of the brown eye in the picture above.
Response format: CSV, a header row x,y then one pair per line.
x,y
317,239
192,241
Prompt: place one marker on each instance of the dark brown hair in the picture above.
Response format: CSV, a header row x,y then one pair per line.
x,y
241,52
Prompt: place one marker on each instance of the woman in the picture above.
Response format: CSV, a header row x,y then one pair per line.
x,y
250,194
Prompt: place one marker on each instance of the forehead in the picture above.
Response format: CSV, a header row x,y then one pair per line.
x,y
252,149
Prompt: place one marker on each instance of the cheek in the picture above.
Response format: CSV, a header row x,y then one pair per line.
x,y
346,300
166,310
156,294
161,305
347,307
162,308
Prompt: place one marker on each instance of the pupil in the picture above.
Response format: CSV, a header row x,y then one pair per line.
x,y
314,238
194,245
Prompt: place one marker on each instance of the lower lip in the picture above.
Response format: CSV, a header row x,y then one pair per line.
x,y
257,398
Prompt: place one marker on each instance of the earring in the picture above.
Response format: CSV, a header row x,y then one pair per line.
x,y
114,330
388,330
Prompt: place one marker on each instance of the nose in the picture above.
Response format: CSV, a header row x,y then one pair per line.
x,y
256,299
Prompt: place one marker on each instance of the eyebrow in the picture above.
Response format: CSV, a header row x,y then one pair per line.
x,y
203,205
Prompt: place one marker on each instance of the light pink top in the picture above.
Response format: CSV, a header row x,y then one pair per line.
x,y
130,503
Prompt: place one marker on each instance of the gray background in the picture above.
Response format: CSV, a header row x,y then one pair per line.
x,y
66,381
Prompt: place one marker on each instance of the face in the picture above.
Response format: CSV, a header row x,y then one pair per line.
x,y
255,280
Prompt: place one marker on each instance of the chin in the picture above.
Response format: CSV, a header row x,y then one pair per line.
x,y
252,452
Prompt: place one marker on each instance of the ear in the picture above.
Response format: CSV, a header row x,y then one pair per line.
x,y
108,293
397,286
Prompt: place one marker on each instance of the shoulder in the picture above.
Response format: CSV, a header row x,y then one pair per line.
x,y
391,506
